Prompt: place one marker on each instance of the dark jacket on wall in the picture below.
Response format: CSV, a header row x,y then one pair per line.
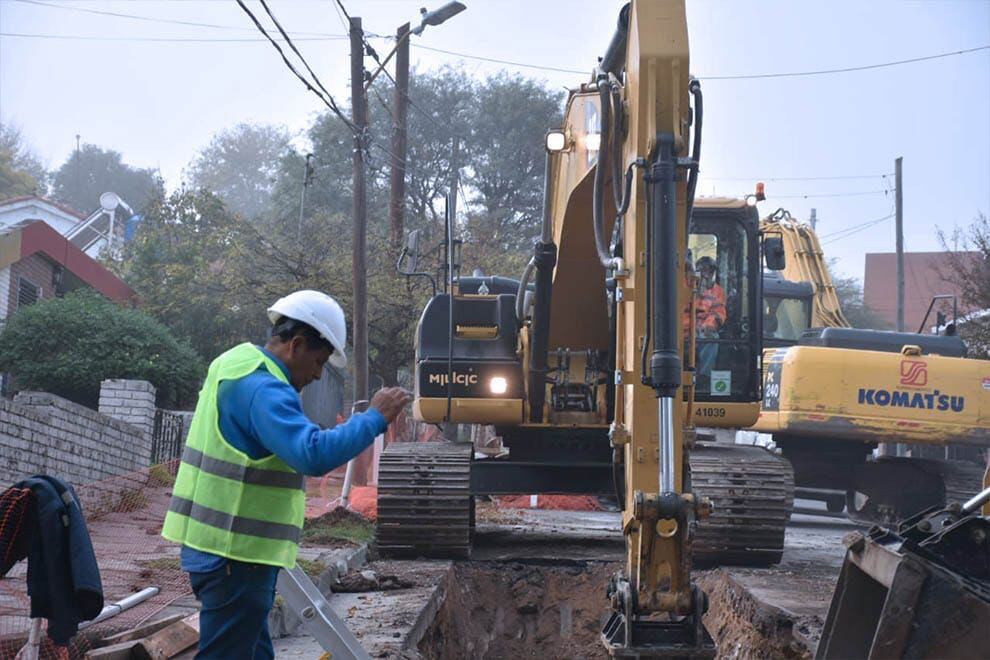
x,y
63,578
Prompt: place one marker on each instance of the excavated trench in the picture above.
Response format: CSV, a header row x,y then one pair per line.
x,y
520,610
543,610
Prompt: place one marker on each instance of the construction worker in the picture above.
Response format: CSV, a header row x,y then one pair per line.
x,y
239,502
709,310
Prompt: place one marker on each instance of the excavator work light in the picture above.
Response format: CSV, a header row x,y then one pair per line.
x,y
556,141
498,385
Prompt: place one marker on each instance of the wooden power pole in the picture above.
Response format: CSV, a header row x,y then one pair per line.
x,y
397,199
359,115
899,221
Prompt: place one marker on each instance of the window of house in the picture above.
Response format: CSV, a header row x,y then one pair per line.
x,y
27,293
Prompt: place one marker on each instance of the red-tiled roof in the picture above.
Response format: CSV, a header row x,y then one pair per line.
x,y
64,208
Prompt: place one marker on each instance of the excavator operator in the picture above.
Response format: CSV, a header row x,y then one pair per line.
x,y
709,311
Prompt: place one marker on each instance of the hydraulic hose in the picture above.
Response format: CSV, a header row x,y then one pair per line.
x,y
695,88
597,202
521,293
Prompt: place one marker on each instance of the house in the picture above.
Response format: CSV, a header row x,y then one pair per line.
x,y
38,262
90,233
923,279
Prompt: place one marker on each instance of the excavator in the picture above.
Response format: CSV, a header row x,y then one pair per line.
x,y
588,372
832,394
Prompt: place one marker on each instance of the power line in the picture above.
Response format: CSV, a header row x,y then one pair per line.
x,y
798,178
846,233
849,69
329,96
329,102
755,76
841,194
151,19
82,37
499,61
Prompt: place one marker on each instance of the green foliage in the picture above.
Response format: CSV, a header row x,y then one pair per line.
x,y
179,263
20,171
92,171
69,345
14,182
240,165
209,275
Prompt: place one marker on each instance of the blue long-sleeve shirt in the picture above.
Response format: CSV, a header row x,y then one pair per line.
x,y
261,415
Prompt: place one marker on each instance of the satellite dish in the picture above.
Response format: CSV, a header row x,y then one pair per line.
x,y
109,201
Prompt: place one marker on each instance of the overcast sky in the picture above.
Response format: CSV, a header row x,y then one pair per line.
x,y
157,91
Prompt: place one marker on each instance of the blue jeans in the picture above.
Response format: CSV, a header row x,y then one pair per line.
x,y
233,622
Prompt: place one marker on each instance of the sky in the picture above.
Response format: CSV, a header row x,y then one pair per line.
x,y
157,91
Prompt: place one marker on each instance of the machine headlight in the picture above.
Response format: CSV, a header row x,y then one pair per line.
x,y
593,141
498,385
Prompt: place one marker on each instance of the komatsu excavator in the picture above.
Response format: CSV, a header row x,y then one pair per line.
x,y
833,393
589,373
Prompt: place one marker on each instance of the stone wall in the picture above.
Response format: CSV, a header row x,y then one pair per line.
x,y
131,401
41,433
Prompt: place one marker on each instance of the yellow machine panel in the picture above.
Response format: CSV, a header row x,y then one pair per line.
x,y
870,396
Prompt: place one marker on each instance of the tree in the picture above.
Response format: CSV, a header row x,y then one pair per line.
x,y
179,264
69,345
971,275
512,115
241,165
857,312
91,171
21,173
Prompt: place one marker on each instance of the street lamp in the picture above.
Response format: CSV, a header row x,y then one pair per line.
x,y
435,17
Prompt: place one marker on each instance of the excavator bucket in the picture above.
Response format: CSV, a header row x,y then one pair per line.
x,y
920,592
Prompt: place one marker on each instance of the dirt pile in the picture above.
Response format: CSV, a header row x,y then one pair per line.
x,y
549,502
745,627
513,610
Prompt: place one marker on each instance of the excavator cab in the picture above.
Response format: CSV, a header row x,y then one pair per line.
x,y
786,310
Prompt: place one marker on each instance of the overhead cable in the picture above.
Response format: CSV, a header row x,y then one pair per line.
x,y
328,101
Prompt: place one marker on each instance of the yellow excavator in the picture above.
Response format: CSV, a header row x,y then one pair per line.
x,y
588,373
832,394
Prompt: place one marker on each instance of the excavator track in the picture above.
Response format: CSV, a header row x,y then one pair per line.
x,y
425,506
753,493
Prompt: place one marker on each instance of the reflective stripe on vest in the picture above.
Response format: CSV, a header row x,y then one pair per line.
x,y
224,502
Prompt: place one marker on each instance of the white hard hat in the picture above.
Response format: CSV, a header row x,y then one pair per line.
x,y
319,311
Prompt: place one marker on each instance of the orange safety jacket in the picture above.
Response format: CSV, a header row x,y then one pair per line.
x,y
709,309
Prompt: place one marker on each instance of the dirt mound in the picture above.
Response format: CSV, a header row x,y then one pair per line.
x,y
550,502
744,627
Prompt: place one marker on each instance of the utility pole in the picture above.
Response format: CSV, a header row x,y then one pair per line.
x,y
899,211
397,201
814,219
359,115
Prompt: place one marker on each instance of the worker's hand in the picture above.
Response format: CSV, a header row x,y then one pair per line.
x,y
390,401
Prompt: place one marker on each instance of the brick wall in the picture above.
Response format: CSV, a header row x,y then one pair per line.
x,y
41,433
35,269
131,401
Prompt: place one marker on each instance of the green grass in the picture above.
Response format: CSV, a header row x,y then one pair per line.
x,y
312,568
320,531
